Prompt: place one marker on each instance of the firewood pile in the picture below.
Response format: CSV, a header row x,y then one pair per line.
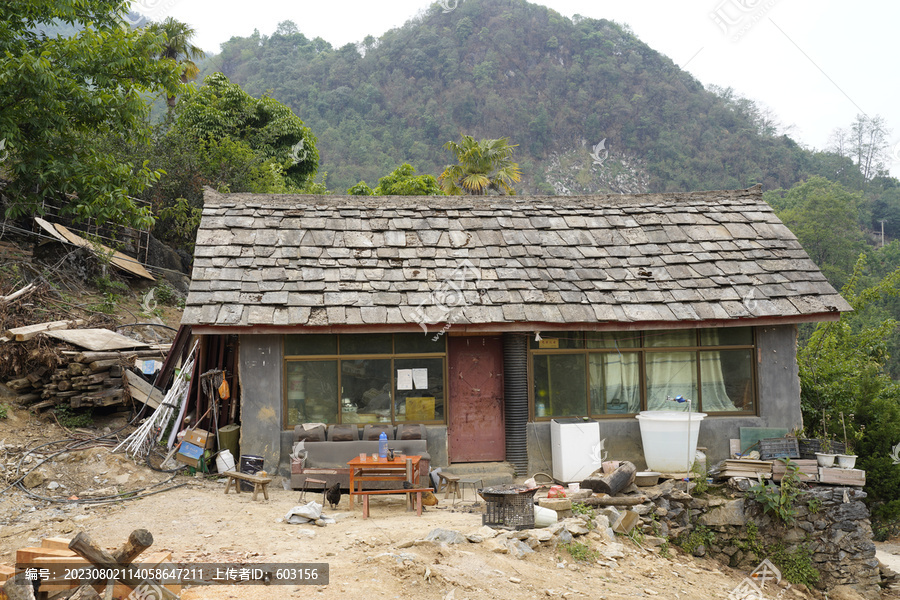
x,y
78,378
90,379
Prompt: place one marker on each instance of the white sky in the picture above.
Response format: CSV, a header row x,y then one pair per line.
x,y
816,63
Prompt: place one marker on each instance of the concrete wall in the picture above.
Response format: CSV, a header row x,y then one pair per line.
x,y
261,394
779,406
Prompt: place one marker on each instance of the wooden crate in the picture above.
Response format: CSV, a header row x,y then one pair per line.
x,y
842,476
808,470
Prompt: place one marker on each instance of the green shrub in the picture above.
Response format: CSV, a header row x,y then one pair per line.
x,y
581,552
780,500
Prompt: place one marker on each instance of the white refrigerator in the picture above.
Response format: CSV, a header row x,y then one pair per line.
x,y
576,449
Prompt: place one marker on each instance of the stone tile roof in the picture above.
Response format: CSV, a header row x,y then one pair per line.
x,y
351,260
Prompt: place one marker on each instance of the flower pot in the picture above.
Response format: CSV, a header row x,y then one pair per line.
x,y
846,461
825,460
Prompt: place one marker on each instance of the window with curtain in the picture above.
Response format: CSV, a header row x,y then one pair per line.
x,y
620,373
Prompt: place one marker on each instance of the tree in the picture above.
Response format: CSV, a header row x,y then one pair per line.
x,y
825,218
865,143
222,110
179,49
403,181
57,94
482,166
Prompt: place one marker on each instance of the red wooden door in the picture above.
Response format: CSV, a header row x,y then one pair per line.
x,y
476,431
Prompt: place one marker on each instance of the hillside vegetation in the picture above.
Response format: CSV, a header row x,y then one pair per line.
x,y
508,68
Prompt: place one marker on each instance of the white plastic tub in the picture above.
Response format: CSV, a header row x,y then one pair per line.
x,y
664,434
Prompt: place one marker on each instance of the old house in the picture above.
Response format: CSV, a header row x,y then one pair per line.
x,y
485,317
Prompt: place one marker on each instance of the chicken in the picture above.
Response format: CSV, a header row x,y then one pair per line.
x,y
333,495
428,499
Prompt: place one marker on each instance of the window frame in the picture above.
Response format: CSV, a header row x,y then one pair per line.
x,y
642,350
339,358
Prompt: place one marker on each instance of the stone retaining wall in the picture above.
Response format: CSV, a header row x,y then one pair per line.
x,y
832,528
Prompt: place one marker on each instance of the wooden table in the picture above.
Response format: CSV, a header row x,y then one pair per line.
x,y
382,469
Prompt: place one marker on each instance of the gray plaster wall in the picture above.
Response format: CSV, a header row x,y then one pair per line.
x,y
778,384
260,364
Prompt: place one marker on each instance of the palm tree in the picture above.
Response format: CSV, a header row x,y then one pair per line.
x,y
179,48
482,166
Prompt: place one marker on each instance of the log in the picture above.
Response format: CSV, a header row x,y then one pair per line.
x,y
82,545
18,590
613,483
26,398
23,334
104,365
25,290
84,592
138,541
89,357
76,369
63,385
614,500
37,375
19,384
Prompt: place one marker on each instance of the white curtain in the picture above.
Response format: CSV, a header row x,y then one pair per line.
x,y
615,383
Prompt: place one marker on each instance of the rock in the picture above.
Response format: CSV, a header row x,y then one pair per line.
x,y
699,551
515,580
519,549
321,522
564,537
496,546
579,495
306,533
575,526
612,551
541,535
53,485
446,536
611,514
34,479
844,592
651,541
485,533
123,479
730,513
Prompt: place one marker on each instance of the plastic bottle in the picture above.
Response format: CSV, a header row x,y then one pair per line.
x,y
382,445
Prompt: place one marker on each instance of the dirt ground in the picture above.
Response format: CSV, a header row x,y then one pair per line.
x,y
378,557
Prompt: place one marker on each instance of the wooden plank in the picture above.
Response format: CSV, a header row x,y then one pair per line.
x,y
56,542
842,476
142,391
28,555
89,357
6,572
23,334
120,260
49,228
96,339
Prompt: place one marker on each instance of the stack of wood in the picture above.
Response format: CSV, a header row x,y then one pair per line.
x,y
744,467
56,555
89,378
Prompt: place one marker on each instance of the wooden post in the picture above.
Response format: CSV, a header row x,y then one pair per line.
x,y
614,500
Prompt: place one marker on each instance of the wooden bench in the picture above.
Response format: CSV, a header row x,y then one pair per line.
x,y
417,491
259,483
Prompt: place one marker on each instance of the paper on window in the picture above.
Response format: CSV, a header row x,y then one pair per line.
x,y
420,378
404,379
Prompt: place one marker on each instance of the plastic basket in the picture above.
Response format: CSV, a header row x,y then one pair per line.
x,y
508,508
808,448
778,448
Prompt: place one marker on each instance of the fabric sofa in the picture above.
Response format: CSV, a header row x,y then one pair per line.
x,y
321,453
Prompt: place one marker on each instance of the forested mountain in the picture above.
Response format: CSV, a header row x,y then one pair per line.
x,y
508,68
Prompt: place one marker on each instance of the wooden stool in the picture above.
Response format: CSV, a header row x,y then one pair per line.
x,y
448,484
476,484
306,483
259,483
